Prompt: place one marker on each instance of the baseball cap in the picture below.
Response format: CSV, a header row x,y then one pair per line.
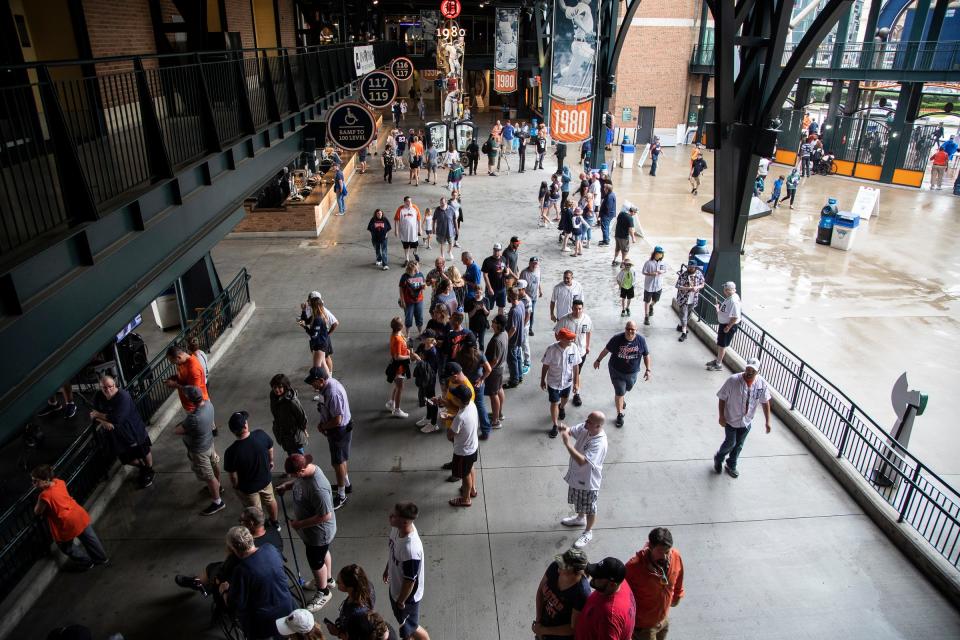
x,y
299,621
754,364
461,393
515,239
297,462
238,420
658,249
192,393
691,263
534,259
497,247
607,569
522,284
316,373
452,369
314,295
566,334
575,559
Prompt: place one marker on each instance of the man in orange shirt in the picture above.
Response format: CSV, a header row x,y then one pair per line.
x,y
939,167
68,520
189,374
655,576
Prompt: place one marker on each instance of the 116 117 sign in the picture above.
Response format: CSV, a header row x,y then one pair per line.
x,y
570,122
378,89
401,68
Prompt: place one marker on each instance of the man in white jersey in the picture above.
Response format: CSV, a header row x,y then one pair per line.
x,y
404,571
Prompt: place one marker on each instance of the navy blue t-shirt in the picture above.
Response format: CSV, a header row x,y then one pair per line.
x,y
558,606
378,228
250,460
259,593
626,356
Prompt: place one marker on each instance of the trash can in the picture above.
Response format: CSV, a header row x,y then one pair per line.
x,y
627,154
703,261
699,249
828,216
165,310
845,230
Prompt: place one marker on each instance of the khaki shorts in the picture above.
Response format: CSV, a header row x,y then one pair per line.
x,y
623,245
206,465
260,499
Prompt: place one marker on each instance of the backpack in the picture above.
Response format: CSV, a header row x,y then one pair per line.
x,y
486,147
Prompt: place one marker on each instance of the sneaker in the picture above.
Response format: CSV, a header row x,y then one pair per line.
x,y
213,508
316,398
331,584
146,478
50,408
679,327
422,422
731,471
646,320
710,363
714,367
389,405
319,601
623,313
447,466
628,311
563,413
453,478
483,436
497,425
574,521
583,540
683,336
576,400
190,582
718,465
400,413
554,431
614,263
456,243
429,428
275,524
338,501
378,263
651,311
385,268
70,410
619,421
526,369
530,332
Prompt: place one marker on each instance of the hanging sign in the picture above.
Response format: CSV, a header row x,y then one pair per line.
x,y
505,64
378,89
351,126
573,69
401,68
363,60
450,9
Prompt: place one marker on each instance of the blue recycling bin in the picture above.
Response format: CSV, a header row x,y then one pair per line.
x,y
828,216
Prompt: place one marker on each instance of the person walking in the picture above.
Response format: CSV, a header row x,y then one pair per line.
x,y
197,432
69,523
627,350
115,413
408,228
559,374
653,272
689,284
491,150
289,418
623,234
739,398
445,225
336,423
314,320
531,275
432,159
563,295
473,156
463,433
314,521
541,146
728,321
792,181
610,611
806,151
416,161
561,596
340,188
938,169
401,139
188,372
626,279
655,577
412,284
655,150
579,322
404,572
507,134
522,137
608,212
379,228
421,108
696,172
249,462
587,445
389,160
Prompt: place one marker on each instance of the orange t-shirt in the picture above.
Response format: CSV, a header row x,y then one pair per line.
x,y
417,148
190,374
654,598
67,519
398,347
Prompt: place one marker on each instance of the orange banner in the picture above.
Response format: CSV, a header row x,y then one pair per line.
x,y
505,81
570,122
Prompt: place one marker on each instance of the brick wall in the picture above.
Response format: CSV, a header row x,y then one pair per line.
x,y
240,18
288,25
117,29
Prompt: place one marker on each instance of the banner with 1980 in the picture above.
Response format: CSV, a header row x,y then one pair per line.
x,y
573,68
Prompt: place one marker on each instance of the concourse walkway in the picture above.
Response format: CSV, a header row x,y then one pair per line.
x,y
781,552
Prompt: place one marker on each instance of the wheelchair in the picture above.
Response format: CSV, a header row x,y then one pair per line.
x,y
230,625
824,166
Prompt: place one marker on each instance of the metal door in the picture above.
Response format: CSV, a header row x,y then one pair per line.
x,y
645,117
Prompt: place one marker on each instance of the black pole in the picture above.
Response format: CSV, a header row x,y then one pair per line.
x,y
293,549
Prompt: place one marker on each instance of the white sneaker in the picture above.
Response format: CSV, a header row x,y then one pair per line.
x,y
422,422
389,405
497,425
316,398
573,521
319,601
378,263
429,428
385,268
399,413
581,542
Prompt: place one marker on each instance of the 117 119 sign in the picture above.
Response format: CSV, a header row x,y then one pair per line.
x,y
570,122
378,89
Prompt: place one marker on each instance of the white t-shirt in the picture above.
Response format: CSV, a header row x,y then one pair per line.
x,y
763,167
741,400
408,223
464,428
560,364
563,296
533,282
580,326
453,156
405,563
595,192
655,282
729,309
594,449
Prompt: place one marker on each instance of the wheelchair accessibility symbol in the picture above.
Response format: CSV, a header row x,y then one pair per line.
x,y
350,119
351,126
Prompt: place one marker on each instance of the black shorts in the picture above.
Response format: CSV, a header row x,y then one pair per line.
x,y
626,293
339,442
319,344
493,384
724,338
462,465
317,555
410,245
139,452
651,296
408,617
415,163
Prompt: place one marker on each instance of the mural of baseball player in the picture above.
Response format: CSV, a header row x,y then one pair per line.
x,y
575,50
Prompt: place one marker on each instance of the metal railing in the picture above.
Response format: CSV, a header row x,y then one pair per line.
x,y
25,538
103,130
917,495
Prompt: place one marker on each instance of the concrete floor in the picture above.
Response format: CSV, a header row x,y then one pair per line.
x,y
782,552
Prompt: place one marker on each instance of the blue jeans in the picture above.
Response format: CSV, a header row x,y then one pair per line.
x,y
653,164
605,228
515,363
482,409
413,311
732,444
381,249
342,201
533,307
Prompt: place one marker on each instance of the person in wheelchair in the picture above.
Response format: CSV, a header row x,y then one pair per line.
x,y
208,581
824,164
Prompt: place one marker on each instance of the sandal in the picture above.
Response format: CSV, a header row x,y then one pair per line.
x,y
460,502
473,493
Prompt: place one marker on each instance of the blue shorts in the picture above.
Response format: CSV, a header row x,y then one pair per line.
x,y
554,395
339,443
408,617
498,297
622,382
